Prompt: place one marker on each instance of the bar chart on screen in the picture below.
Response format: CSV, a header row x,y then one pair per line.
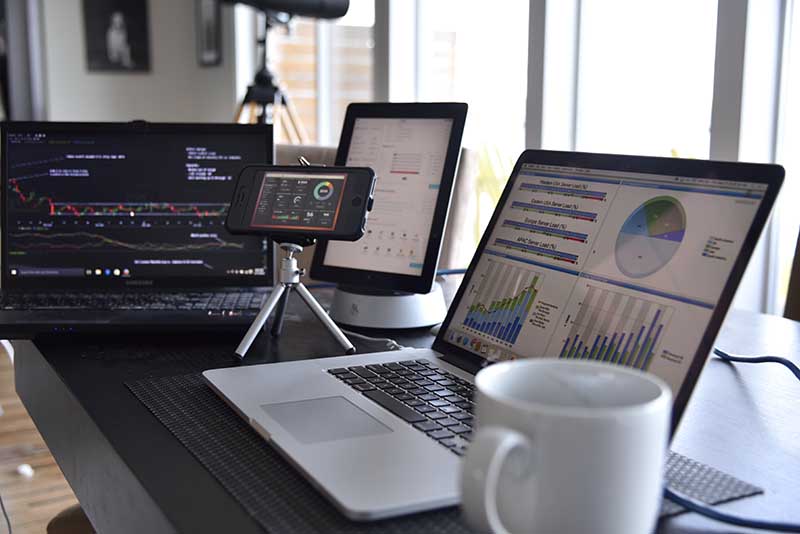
x,y
615,327
503,296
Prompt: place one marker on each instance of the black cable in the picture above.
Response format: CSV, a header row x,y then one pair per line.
x,y
712,513
758,359
5,514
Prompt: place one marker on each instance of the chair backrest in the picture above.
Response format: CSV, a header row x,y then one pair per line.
x,y
792,309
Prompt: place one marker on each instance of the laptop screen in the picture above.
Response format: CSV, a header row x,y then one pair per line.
x,y
602,265
99,205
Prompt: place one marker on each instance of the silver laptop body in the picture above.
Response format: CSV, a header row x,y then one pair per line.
x,y
369,462
614,272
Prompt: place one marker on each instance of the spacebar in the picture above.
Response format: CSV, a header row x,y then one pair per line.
x,y
394,406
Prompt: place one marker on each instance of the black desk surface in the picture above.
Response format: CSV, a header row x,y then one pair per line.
x,y
131,475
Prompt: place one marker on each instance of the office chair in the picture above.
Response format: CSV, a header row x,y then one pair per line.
x,y
792,309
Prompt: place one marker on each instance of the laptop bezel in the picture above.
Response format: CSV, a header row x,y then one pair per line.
x,y
10,283
771,175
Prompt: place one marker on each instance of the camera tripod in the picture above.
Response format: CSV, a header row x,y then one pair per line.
x,y
288,280
266,100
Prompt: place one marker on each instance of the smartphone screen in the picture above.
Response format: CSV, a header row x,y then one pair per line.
x,y
292,201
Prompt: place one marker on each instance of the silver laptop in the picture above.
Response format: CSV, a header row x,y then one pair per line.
x,y
627,260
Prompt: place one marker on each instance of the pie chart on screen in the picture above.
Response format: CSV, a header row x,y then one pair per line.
x,y
650,237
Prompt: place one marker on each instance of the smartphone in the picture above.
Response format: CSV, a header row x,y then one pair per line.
x,y
316,202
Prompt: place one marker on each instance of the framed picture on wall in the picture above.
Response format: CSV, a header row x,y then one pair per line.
x,y
208,28
117,35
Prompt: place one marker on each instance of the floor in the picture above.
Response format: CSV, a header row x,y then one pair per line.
x,y
30,502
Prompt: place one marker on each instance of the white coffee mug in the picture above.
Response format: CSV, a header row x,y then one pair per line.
x,y
566,446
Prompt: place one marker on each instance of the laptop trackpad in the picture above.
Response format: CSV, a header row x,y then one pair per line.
x,y
325,419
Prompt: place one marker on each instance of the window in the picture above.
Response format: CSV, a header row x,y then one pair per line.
x,y
323,65
293,57
351,45
469,53
786,216
646,77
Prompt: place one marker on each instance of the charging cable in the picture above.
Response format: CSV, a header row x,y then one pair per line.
x,y
758,359
711,513
390,344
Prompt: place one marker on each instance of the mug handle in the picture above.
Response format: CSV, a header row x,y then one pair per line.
x,y
480,474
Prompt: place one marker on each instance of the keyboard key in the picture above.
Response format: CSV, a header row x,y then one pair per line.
x,y
405,397
448,442
394,406
427,372
363,372
461,416
448,421
354,381
440,434
417,379
394,379
450,409
436,377
394,391
416,367
426,426
452,398
405,372
426,363
425,382
383,384
424,408
435,414
443,382
364,387
393,366
459,429
406,363
434,387
406,385
378,368
346,376
414,402
442,393
338,371
428,397
417,391
463,404
438,403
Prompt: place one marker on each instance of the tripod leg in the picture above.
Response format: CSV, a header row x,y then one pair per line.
x,y
277,321
294,116
259,321
319,311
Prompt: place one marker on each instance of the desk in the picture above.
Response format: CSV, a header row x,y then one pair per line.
x,y
131,475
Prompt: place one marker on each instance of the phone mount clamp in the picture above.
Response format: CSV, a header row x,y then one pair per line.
x,y
289,279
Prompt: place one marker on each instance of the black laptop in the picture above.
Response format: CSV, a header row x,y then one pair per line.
x,y
121,226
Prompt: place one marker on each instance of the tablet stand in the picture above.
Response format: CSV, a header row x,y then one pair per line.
x,y
369,308
289,279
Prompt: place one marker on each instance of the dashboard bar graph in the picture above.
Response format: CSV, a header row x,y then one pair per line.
x,y
553,210
539,251
615,328
546,230
565,191
502,302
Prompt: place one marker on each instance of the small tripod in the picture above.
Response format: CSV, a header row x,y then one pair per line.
x,y
289,279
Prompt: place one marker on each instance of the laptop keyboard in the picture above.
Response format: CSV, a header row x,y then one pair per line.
x,y
210,301
432,400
